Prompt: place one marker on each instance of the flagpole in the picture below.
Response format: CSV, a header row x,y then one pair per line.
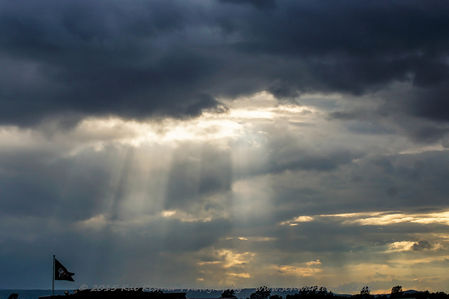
x,y
53,278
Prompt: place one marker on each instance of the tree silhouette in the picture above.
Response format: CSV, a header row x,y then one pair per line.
x,y
262,292
311,292
228,294
365,291
396,292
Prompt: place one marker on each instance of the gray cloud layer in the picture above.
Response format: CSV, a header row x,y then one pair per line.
x,y
173,57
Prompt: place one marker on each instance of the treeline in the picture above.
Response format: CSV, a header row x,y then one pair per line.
x,y
316,292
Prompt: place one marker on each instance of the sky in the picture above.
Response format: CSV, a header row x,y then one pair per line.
x,y
225,143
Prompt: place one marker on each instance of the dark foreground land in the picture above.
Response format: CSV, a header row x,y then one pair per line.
x,y
313,292
116,294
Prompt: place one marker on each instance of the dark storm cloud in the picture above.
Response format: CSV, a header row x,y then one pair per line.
x,y
174,57
98,58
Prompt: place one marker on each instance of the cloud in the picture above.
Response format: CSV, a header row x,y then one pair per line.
x,y
145,59
401,246
299,271
379,218
255,3
297,220
422,245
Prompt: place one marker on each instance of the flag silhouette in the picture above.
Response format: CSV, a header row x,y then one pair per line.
x,y
61,273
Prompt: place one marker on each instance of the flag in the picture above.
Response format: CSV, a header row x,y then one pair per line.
x,y
61,273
